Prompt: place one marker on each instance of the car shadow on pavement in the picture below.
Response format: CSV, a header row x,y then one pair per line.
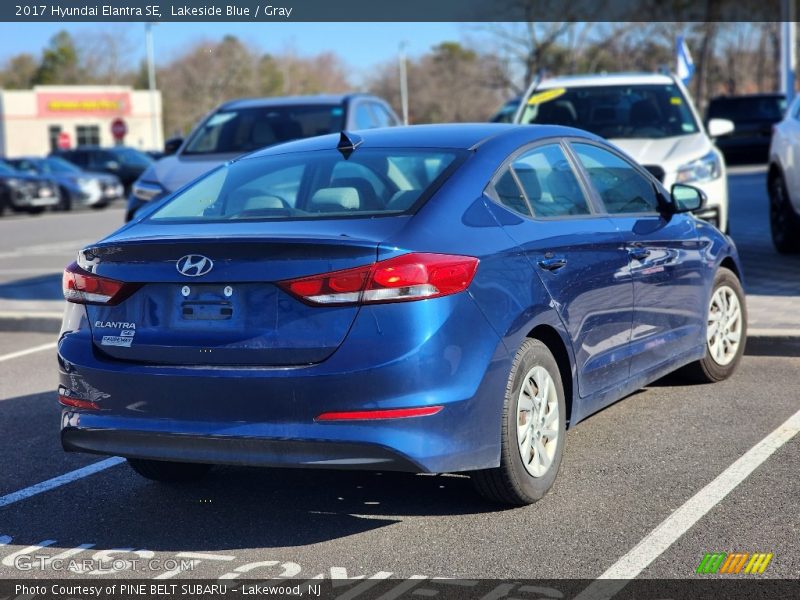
x,y
233,508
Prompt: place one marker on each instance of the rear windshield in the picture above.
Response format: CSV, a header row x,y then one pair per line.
x,y
247,129
314,185
757,108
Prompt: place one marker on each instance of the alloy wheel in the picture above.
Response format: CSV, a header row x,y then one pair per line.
x,y
537,421
724,333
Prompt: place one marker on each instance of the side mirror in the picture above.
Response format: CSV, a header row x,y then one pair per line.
x,y
171,145
686,198
720,127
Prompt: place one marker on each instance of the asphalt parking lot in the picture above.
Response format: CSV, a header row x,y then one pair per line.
x,y
627,472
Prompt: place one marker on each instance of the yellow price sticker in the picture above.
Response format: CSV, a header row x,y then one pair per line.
x,y
675,100
546,96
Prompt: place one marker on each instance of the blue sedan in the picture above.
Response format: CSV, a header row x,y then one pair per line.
x,y
425,299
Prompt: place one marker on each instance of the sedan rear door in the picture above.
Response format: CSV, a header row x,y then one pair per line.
x,y
577,256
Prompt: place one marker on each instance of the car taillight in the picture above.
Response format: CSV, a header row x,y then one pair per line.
x,y
82,287
414,276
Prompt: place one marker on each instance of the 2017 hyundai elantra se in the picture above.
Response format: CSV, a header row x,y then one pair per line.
x,y
427,299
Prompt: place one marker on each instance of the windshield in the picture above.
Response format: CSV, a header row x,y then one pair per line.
x,y
313,185
59,165
6,169
246,129
132,157
615,111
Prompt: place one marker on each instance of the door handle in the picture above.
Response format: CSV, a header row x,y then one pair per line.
x,y
638,253
553,264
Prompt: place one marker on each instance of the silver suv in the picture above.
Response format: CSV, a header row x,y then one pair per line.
x,y
241,126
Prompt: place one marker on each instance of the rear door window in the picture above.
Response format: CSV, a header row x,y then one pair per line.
x,y
550,184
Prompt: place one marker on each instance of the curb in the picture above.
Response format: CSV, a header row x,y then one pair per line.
x,y
776,344
31,323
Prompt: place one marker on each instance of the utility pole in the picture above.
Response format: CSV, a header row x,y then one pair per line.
x,y
788,49
151,80
403,82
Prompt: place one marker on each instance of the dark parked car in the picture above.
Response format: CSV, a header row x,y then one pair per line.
x,y
506,112
126,163
77,188
753,116
242,126
433,299
22,192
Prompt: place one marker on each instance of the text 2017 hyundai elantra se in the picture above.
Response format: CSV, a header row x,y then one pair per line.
x,y
427,299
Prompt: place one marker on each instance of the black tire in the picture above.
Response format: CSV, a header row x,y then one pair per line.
x,y
708,370
511,482
160,470
65,202
783,222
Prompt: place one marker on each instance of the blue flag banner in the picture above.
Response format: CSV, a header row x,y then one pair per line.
x,y
685,64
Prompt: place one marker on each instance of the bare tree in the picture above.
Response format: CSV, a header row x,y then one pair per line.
x,y
448,84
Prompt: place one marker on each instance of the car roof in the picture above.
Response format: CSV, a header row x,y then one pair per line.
x,y
455,135
325,99
602,79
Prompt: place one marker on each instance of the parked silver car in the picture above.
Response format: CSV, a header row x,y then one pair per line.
x,y
242,126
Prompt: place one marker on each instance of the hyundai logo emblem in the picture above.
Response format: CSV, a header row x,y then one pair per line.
x,y
194,265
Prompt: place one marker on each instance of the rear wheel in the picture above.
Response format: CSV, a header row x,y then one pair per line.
x,y
533,430
726,331
784,223
159,470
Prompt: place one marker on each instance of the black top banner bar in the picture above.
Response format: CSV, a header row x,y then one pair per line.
x,y
402,10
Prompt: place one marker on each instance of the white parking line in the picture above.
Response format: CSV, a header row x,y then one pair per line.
x,y
55,482
18,353
680,521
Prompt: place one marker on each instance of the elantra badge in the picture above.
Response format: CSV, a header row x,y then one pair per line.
x,y
194,265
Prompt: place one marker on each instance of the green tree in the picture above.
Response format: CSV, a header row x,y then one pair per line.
x,y
60,62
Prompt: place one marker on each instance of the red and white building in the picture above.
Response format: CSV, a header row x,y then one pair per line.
x,y
34,122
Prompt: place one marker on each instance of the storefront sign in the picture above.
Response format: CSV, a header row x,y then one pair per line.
x,y
55,104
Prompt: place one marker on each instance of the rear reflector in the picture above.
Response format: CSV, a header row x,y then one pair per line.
x,y
414,276
372,415
75,403
82,287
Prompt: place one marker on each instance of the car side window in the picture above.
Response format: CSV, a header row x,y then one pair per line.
x,y
364,118
509,194
382,116
622,188
549,183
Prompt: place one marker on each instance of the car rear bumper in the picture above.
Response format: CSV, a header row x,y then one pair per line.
x,y
234,450
440,352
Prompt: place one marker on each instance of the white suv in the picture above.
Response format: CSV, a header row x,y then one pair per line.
x,y
649,116
783,182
